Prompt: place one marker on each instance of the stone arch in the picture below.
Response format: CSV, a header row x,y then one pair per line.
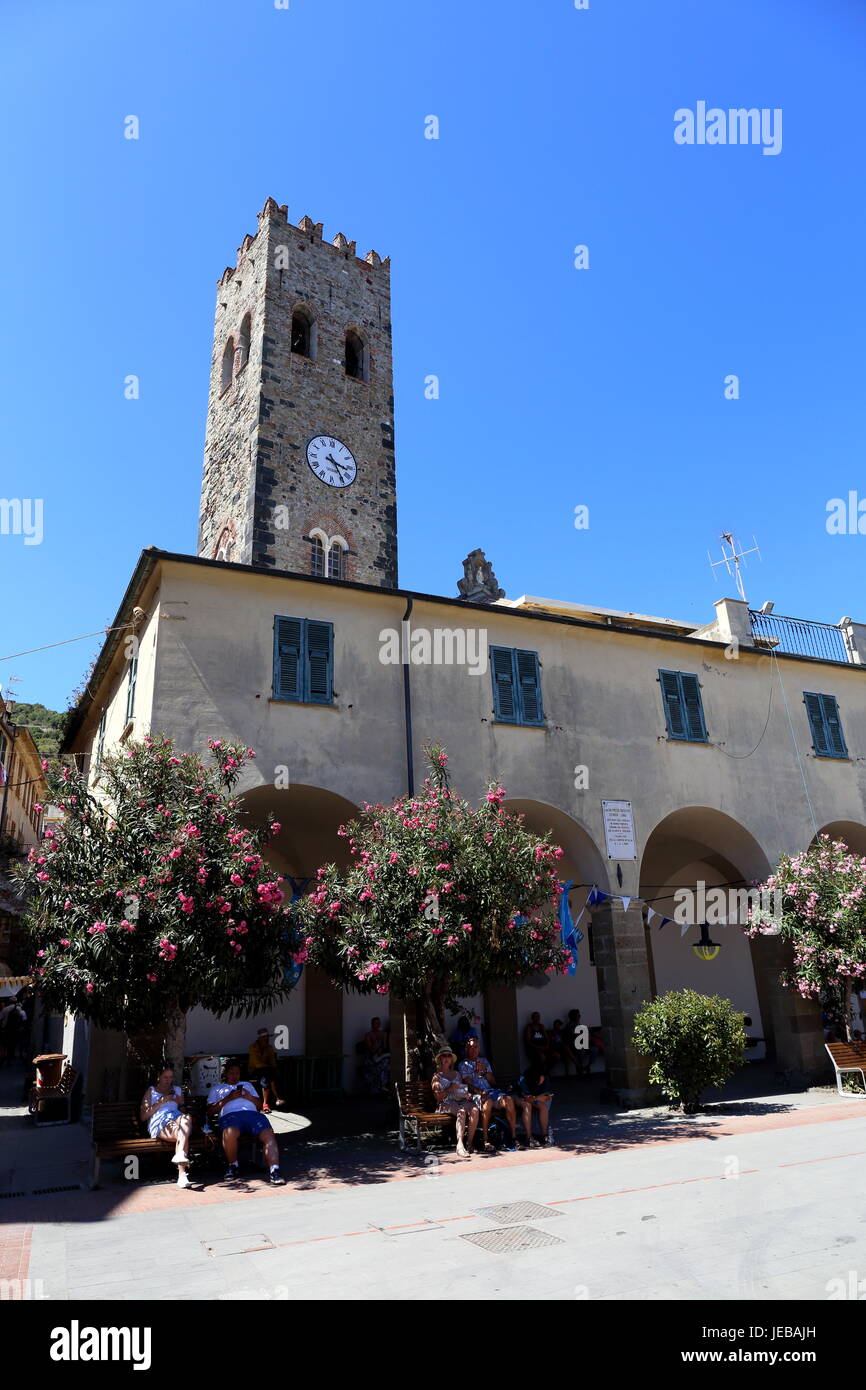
x,y
309,818
696,850
317,1014
852,832
508,1009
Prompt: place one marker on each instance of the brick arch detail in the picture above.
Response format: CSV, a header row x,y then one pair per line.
x,y
333,526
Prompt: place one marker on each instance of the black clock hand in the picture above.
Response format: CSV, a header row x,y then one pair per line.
x,y
329,458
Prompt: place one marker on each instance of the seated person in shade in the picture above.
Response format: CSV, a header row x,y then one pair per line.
x,y
559,1049
584,1051
534,1092
535,1040
262,1067
461,1035
454,1098
377,1057
162,1110
236,1104
478,1075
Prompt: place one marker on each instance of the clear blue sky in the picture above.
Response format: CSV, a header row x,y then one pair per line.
x,y
558,387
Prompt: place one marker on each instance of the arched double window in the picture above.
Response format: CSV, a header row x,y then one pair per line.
x,y
356,358
328,555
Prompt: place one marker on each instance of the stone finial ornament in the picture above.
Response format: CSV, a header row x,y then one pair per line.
x,y
479,583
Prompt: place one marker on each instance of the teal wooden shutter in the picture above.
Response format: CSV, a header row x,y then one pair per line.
x,y
529,687
288,668
504,695
833,725
684,711
828,740
693,708
816,723
675,715
130,692
320,662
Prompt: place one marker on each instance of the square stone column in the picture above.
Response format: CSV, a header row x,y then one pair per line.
x,y
794,1023
624,984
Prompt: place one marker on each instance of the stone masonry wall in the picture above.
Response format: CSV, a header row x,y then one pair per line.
x,y
256,472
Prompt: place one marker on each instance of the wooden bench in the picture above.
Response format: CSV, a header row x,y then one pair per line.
x,y
62,1093
418,1113
117,1132
848,1057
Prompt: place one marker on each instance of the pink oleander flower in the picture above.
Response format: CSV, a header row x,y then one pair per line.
x,y
89,987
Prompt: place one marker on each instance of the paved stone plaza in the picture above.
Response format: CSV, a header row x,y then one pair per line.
x,y
749,1201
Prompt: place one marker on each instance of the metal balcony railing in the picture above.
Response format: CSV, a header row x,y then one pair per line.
x,y
820,641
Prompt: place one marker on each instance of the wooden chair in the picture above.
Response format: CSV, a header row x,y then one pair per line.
x,y
848,1057
61,1093
418,1113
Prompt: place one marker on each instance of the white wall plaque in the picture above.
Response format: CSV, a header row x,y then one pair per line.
x,y
619,829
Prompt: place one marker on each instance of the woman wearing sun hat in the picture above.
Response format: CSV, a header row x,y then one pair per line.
x,y
454,1098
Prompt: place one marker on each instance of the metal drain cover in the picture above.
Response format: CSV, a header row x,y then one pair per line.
x,y
237,1245
511,1238
518,1211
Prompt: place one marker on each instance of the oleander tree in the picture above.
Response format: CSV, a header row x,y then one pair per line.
x,y
440,900
152,896
820,907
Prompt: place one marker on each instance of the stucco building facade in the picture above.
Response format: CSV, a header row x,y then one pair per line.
x,y
729,745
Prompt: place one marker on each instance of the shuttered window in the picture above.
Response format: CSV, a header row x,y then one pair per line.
x,y
100,737
516,686
684,712
130,692
828,740
303,661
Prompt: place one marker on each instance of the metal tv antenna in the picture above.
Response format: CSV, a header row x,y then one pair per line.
x,y
733,556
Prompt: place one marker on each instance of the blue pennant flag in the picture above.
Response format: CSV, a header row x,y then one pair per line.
x,y
294,971
571,934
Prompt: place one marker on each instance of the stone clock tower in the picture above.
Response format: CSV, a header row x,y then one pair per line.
x,y
299,447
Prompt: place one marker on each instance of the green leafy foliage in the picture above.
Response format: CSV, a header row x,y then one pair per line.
x,y
44,725
153,896
694,1040
441,899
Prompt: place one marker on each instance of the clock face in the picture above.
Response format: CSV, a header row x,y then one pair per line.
x,y
331,461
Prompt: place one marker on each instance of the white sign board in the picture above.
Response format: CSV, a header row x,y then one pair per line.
x,y
619,829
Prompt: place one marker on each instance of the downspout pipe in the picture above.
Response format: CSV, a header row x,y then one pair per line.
x,y
407,695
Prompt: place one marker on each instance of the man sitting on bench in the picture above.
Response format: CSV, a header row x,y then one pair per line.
x,y
478,1075
236,1103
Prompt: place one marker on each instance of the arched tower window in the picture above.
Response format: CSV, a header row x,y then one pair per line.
x,y
317,556
356,358
244,340
303,332
228,365
337,558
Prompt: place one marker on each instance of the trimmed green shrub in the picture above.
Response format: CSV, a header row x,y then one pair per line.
x,y
694,1040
